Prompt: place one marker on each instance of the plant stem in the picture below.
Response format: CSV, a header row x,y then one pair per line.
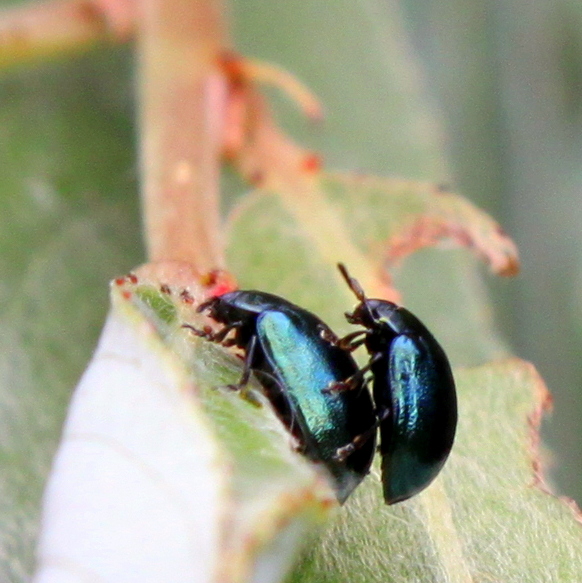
x,y
182,96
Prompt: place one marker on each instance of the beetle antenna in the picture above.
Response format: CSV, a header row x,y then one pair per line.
x,y
355,286
353,283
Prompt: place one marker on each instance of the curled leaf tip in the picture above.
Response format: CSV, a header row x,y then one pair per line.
x,y
461,224
543,405
500,250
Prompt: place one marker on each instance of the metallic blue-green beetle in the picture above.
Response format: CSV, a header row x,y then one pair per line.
x,y
413,390
296,357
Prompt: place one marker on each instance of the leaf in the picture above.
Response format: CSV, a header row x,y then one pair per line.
x,y
415,215
363,221
144,487
295,228
474,522
68,224
483,520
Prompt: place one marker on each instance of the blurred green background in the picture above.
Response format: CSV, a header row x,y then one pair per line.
x,y
485,96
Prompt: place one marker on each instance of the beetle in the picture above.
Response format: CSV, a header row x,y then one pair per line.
x,y
295,355
413,390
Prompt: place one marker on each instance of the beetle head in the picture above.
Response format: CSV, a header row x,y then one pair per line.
x,y
363,313
370,313
215,308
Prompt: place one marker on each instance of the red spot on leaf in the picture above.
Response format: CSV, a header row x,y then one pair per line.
x,y
222,289
311,163
218,282
232,66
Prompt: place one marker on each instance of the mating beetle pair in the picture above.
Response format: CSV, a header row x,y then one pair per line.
x,y
321,395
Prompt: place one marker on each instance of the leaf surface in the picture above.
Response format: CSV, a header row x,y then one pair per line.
x,y
483,520
163,473
475,521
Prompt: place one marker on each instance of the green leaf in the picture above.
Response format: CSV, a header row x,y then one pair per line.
x,y
369,224
69,222
476,520
138,455
483,520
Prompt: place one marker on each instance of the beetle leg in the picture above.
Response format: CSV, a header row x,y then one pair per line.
x,y
343,453
352,382
345,343
205,305
352,345
346,451
349,342
381,415
246,374
349,384
241,386
218,337
201,333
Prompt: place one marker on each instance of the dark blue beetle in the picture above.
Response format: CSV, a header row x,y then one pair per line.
x,y
413,389
296,357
